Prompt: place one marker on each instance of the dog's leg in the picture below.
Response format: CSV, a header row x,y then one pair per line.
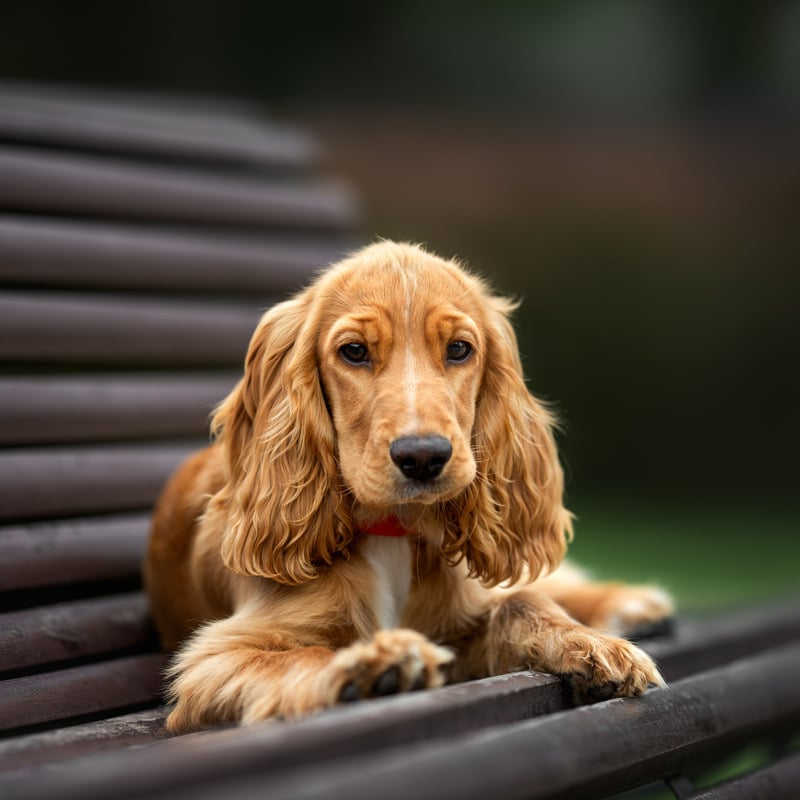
x,y
236,670
528,630
622,609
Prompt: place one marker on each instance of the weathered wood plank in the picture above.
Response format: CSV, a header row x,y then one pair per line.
x,y
61,552
52,482
577,753
152,125
37,749
49,634
50,328
43,181
54,410
78,691
704,642
365,726
83,253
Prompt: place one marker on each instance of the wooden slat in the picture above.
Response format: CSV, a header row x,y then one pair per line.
x,y
53,410
164,126
79,691
577,753
63,631
706,642
38,749
51,328
478,704
80,253
50,482
364,726
62,552
598,749
48,182
452,709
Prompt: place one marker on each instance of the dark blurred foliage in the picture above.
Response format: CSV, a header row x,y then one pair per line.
x,y
630,169
541,56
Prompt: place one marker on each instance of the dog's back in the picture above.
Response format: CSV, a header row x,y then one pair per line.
x,y
173,572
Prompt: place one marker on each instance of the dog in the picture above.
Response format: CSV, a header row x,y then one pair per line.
x,y
380,511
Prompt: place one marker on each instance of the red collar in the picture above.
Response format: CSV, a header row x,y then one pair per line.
x,y
391,526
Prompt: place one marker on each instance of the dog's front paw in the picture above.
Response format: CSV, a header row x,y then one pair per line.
x,y
393,661
597,667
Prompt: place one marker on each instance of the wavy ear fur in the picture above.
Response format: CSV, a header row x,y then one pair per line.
x,y
510,522
285,515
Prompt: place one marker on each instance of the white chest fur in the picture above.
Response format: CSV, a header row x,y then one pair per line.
x,y
390,559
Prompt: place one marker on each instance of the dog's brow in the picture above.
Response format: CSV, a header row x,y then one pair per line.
x,y
356,320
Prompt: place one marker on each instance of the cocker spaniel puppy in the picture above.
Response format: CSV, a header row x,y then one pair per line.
x,y
378,512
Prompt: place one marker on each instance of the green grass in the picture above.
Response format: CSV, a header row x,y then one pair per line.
x,y
709,556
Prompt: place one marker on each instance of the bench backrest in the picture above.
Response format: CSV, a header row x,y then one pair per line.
x,y
139,241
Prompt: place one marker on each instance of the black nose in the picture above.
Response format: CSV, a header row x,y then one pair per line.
x,y
421,458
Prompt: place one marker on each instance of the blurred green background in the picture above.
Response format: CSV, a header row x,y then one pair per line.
x,y
630,169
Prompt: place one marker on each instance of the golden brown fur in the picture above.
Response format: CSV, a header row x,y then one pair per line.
x,y
259,573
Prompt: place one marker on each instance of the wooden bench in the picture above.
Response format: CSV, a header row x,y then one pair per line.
x,y
138,242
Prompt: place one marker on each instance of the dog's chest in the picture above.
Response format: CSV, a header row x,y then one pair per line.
x,y
390,559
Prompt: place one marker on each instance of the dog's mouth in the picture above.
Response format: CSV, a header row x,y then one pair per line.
x,y
431,491
407,497
397,490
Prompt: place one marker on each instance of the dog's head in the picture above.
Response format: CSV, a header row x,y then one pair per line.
x,y
392,382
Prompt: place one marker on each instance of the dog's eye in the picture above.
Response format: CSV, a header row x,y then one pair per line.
x,y
354,353
458,350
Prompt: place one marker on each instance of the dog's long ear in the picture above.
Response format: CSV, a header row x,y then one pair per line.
x,y
285,515
511,521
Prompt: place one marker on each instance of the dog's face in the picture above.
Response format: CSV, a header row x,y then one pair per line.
x,y
394,380
401,354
